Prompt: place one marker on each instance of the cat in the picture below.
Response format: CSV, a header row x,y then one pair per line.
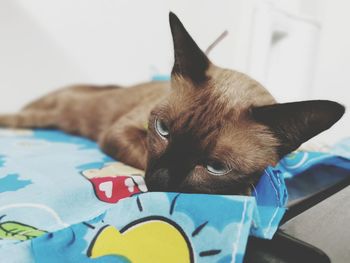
x,y
207,130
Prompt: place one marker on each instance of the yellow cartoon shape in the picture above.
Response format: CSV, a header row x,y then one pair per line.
x,y
150,241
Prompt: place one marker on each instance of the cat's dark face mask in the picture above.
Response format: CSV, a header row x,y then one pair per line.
x,y
219,129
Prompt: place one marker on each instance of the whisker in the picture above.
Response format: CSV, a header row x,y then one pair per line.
x,y
256,192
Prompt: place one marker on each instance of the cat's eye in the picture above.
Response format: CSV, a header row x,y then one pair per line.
x,y
217,168
161,128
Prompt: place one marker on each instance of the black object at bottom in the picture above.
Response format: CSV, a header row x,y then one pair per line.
x,y
283,249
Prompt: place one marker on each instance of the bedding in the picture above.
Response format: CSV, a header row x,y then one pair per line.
x,y
63,200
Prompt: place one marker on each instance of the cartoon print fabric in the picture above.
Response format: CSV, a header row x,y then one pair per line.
x,y
41,182
156,227
55,185
300,161
62,199
116,181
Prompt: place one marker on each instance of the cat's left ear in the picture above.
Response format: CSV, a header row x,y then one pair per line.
x,y
190,61
295,123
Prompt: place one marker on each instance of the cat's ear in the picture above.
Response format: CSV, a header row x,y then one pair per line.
x,y
295,123
190,61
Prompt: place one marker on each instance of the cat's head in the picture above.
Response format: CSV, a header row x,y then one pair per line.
x,y
219,129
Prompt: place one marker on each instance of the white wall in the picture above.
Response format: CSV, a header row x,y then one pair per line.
x,y
332,71
48,44
283,49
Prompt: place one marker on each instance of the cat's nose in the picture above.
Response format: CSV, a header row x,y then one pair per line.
x,y
157,180
162,180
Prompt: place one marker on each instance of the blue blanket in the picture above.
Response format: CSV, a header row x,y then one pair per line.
x,y
58,202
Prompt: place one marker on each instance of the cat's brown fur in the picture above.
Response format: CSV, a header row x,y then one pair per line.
x,y
213,115
114,116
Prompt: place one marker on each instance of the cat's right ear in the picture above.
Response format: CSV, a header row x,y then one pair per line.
x,y
190,61
296,122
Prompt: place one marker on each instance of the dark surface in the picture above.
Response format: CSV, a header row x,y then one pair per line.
x,y
282,248
316,226
326,226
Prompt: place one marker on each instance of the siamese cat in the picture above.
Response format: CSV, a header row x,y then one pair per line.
x,y
208,130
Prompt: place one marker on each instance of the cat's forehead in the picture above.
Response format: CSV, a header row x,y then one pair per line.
x,y
199,112
202,121
231,88
238,88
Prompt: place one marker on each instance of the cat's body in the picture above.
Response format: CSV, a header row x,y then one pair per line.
x,y
208,130
116,117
